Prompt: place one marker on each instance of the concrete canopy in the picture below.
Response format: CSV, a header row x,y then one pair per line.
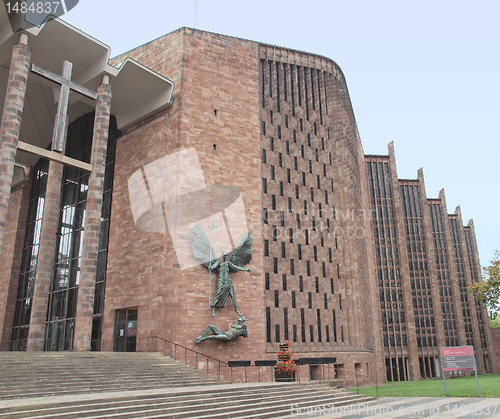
x,y
138,92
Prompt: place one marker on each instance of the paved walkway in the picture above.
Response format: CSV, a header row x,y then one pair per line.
x,y
408,408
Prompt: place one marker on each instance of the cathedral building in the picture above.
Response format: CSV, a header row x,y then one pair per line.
x,y
98,209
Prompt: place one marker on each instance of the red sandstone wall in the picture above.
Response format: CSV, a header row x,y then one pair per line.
x,y
322,137
142,267
135,258
213,72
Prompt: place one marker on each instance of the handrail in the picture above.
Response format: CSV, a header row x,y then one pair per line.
x,y
183,347
328,371
154,348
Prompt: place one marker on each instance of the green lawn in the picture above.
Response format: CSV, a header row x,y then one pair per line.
x,y
489,386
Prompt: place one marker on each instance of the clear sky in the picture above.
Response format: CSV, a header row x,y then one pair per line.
x,y
422,74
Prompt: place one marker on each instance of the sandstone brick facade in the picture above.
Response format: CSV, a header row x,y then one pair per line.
x,y
222,125
425,262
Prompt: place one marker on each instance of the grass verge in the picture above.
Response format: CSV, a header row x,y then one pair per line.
x,y
489,386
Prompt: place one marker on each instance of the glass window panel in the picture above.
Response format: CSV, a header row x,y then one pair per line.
x,y
74,278
101,266
30,286
108,178
58,303
55,336
70,332
69,193
77,244
61,276
82,192
106,205
26,312
17,313
103,234
99,298
72,301
86,155
64,248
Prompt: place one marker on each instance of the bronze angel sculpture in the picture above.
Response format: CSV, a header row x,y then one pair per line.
x,y
241,255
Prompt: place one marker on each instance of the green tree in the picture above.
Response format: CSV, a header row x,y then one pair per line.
x,y
488,290
495,322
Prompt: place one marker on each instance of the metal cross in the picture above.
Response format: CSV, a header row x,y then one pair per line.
x,y
62,107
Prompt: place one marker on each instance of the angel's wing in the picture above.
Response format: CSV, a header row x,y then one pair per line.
x,y
202,249
242,252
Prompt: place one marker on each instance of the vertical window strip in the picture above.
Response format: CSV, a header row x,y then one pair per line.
x,y
388,180
285,96
268,324
318,76
306,93
334,326
262,85
277,66
303,325
313,96
326,96
299,85
318,315
270,78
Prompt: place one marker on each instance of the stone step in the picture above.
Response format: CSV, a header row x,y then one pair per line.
x,y
112,385
255,409
20,392
252,401
43,374
77,378
47,392
207,395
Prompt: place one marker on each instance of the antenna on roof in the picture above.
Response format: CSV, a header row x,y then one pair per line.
x,y
195,17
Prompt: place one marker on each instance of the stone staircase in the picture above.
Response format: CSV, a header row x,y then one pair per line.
x,y
143,385
36,374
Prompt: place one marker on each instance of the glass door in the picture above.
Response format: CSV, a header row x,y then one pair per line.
x,y
125,330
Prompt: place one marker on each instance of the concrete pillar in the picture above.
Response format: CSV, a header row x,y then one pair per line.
x,y
11,123
85,307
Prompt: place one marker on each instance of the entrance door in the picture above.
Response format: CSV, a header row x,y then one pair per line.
x,y
126,330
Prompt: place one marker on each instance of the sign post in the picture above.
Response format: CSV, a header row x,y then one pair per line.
x,y
458,358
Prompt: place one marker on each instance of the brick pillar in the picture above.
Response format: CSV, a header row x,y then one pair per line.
x,y
11,123
412,349
478,350
85,307
45,257
462,340
10,259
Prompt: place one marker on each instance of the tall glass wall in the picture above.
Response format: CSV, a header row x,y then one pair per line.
x,y
63,294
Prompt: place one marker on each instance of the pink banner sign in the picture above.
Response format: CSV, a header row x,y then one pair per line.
x,y
458,358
